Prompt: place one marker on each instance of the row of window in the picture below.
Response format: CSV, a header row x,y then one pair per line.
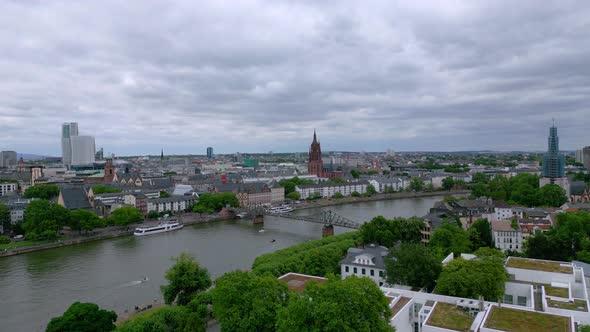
x,y
363,271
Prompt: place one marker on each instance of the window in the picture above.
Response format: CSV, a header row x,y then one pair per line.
x,y
354,270
363,271
508,299
346,269
522,301
372,272
381,274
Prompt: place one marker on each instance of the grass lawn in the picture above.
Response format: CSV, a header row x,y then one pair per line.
x,y
506,319
121,319
450,317
577,305
21,244
556,291
530,264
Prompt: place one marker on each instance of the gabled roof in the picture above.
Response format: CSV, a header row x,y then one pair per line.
x,y
378,253
75,198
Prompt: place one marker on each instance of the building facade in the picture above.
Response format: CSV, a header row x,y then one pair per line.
x,y
8,159
330,189
83,150
210,152
553,161
9,187
586,157
505,236
174,203
368,262
67,131
315,164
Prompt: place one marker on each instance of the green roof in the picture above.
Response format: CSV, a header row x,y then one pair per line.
x,y
513,320
539,265
451,317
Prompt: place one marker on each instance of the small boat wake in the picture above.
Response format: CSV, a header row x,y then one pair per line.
x,y
135,282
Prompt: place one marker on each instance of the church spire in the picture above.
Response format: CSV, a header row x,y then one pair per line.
x,y
314,136
162,155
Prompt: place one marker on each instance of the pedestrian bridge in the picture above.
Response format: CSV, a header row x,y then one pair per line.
x,y
327,218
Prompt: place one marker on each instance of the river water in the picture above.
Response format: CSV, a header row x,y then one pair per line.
x,y
37,286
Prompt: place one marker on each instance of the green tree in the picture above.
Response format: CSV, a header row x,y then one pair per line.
x,y
243,301
155,214
126,215
416,184
337,180
355,194
338,196
42,191
551,195
83,317
483,276
164,194
44,219
387,232
102,189
355,173
448,183
481,178
215,202
412,264
290,184
352,304
5,223
168,318
480,234
294,196
186,278
371,190
450,238
84,220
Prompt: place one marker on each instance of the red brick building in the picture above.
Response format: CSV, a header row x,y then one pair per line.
x,y
315,164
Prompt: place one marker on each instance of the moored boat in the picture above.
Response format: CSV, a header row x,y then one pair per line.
x,y
162,227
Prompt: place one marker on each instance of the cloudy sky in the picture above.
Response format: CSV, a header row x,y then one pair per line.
x,y
254,76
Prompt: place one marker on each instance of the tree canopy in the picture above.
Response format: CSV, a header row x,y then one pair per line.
x,y
44,219
480,234
412,264
102,189
244,301
448,238
83,317
126,215
416,184
84,220
168,318
483,276
185,278
352,304
211,203
290,184
5,219
387,232
42,191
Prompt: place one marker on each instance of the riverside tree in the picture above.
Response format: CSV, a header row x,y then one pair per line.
x,y
83,317
44,219
186,278
387,232
126,215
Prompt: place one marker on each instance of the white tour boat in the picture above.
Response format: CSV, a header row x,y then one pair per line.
x,y
285,208
165,226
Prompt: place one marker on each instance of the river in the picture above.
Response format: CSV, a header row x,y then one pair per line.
x,y
37,286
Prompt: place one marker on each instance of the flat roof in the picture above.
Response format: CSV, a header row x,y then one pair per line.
x,y
514,320
297,282
539,265
399,305
451,317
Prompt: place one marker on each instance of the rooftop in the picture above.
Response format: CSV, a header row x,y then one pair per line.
x,y
506,319
450,317
539,265
576,305
296,282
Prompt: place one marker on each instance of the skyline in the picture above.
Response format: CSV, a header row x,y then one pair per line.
x,y
407,76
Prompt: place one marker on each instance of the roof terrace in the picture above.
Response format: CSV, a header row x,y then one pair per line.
x,y
539,265
450,317
507,319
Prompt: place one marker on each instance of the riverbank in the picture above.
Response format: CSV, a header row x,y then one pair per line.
x,y
377,197
101,234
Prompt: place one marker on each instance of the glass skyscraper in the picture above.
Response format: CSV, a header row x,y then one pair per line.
x,y
553,161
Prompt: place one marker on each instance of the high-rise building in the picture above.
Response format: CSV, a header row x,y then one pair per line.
x,y
586,157
553,161
8,159
68,130
83,150
210,152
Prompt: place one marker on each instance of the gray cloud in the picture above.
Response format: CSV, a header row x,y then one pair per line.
x,y
261,75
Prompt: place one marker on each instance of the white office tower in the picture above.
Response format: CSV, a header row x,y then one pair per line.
x,y
68,130
83,150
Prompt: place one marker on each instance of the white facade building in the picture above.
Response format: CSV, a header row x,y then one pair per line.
x,y
329,189
6,188
68,130
368,262
395,183
174,203
83,150
505,237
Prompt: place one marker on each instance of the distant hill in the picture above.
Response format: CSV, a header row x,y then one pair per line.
x,y
28,156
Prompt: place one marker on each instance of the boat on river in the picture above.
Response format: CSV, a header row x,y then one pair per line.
x,y
165,226
285,208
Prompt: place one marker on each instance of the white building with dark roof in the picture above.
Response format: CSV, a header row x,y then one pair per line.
x,y
326,190
368,262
